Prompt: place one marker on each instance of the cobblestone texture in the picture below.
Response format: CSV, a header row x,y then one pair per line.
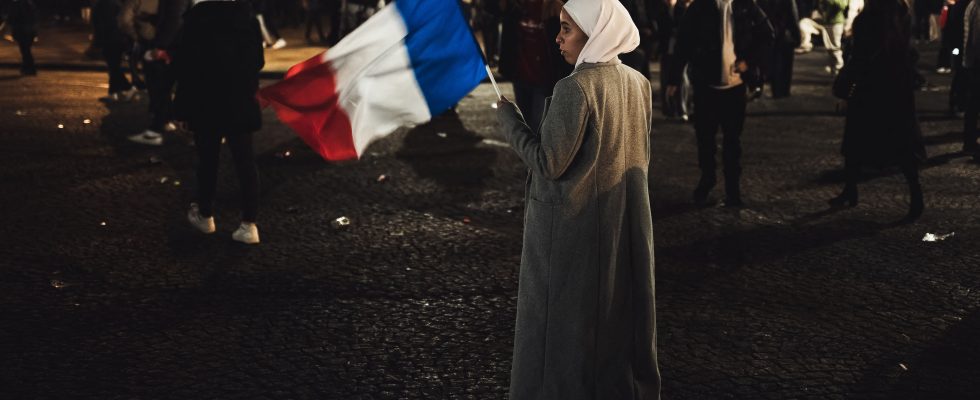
x,y
783,299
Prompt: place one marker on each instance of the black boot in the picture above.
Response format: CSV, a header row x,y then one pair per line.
x,y
705,185
847,198
916,205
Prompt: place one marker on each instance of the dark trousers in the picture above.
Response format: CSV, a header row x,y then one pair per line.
x,y
160,83
112,53
208,153
781,71
27,58
972,109
725,109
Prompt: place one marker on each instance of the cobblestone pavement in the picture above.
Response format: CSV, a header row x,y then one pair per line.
x,y
108,294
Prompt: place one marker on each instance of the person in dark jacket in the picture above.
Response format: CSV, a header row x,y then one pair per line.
x,y
722,40
217,64
155,24
785,22
22,17
108,36
528,56
881,127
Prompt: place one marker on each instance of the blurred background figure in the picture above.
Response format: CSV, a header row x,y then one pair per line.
x,y
833,13
881,128
944,60
488,23
668,16
21,15
270,34
785,22
314,18
155,25
529,56
639,59
108,37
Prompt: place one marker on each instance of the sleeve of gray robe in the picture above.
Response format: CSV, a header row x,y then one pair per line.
x,y
549,154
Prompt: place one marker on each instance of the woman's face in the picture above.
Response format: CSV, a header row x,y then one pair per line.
x,y
570,38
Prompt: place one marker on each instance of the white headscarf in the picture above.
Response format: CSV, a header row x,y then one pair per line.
x,y
610,29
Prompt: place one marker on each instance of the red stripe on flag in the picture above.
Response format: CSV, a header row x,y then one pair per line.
x,y
307,101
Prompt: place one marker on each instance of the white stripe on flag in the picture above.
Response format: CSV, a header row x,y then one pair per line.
x,y
375,81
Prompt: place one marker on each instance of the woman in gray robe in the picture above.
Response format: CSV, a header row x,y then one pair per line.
x,y
586,326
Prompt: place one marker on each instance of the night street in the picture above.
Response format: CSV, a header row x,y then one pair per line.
x,y
108,293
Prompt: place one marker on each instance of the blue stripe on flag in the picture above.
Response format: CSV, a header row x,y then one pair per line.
x,y
446,60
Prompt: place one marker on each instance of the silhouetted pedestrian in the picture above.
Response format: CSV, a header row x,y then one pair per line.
x,y
314,18
108,37
154,24
22,18
785,22
217,63
881,126
722,40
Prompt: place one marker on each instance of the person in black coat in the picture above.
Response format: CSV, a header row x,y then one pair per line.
x,y
720,60
217,63
785,22
881,127
22,17
109,37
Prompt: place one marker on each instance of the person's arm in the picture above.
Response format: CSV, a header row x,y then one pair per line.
x,y
562,131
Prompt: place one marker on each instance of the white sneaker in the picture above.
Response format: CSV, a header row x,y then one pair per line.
x,y
127,95
205,225
170,127
279,44
246,233
148,137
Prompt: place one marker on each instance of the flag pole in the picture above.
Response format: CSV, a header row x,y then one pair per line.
x,y
493,82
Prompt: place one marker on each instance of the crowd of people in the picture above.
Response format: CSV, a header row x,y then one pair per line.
x,y
581,121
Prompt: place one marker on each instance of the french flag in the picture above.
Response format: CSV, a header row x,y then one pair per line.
x,y
410,61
